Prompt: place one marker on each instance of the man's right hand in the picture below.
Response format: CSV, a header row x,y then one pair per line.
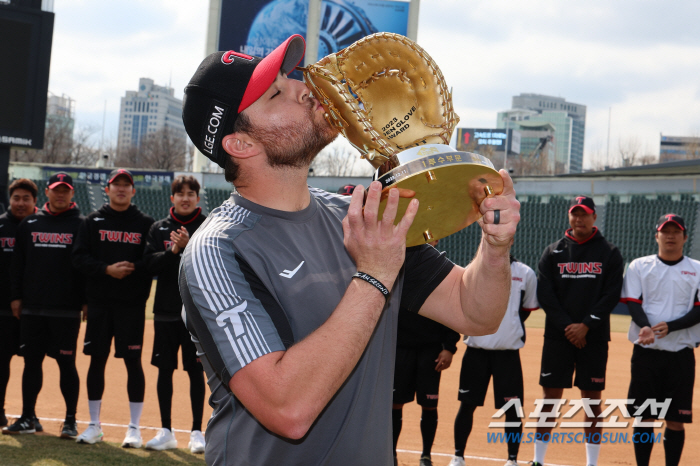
x,y
120,270
576,334
378,247
16,307
646,336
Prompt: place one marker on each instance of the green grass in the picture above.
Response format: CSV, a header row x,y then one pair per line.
x,y
47,450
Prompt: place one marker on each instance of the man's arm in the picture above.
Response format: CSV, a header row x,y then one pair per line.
x,y
140,264
691,318
155,255
632,294
528,301
17,264
473,300
687,320
287,390
17,275
82,256
612,289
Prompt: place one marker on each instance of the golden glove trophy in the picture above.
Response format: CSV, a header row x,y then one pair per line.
x,y
389,99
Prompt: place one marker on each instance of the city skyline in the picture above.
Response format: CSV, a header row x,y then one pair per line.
x,y
638,62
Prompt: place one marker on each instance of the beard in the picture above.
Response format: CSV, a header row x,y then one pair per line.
x,y
296,144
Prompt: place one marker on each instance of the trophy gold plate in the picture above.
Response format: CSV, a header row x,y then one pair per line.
x,y
449,185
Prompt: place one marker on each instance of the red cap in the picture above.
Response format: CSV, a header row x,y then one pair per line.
x,y
670,218
267,70
58,179
116,173
584,202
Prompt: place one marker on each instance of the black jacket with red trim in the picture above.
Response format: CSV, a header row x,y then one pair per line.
x,y
107,236
8,231
43,276
579,282
161,261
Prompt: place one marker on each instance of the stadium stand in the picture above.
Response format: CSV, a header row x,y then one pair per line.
x,y
153,201
627,221
214,197
630,225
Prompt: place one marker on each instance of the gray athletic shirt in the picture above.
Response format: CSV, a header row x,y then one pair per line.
x,y
256,280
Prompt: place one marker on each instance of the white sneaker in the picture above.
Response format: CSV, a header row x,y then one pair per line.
x,y
511,463
456,461
133,438
164,440
91,435
197,443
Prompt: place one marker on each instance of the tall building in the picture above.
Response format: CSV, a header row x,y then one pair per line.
x,y
568,119
60,114
678,148
150,109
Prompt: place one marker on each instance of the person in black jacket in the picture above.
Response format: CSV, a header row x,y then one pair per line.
x,y
578,285
48,293
23,194
109,251
166,241
424,348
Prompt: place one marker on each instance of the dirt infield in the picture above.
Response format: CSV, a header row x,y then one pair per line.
x,y
479,451
115,404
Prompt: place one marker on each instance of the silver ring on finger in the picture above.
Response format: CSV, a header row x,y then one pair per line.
x,y
496,217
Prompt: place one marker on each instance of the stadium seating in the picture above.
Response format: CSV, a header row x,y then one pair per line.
x,y
628,223
214,197
542,221
626,220
153,201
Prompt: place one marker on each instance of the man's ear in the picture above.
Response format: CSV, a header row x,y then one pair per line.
x,y
239,145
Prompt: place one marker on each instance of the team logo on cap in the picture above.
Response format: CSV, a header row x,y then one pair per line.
x,y
580,199
227,57
60,176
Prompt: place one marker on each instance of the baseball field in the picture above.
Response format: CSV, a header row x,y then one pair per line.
x,y
47,449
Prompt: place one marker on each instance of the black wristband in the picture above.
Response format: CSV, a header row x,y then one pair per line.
x,y
373,281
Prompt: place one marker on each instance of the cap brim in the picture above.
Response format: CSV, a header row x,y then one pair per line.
x,y
111,180
586,209
58,183
670,221
285,57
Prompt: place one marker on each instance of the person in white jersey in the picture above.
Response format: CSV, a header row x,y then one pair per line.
x,y
497,355
661,292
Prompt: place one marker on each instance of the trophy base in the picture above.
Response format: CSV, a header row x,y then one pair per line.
x,y
450,186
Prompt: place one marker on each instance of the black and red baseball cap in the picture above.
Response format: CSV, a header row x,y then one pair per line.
x,y
584,202
117,172
670,218
225,84
58,179
346,190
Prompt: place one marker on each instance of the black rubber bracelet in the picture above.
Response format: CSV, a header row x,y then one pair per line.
x,y
373,281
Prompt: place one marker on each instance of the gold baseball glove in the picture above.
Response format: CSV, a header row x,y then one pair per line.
x,y
384,94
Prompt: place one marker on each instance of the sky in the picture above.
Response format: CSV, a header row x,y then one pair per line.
x,y
635,64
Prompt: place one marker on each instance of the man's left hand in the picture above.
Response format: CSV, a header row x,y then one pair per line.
x,y
500,234
576,334
180,238
660,329
443,361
